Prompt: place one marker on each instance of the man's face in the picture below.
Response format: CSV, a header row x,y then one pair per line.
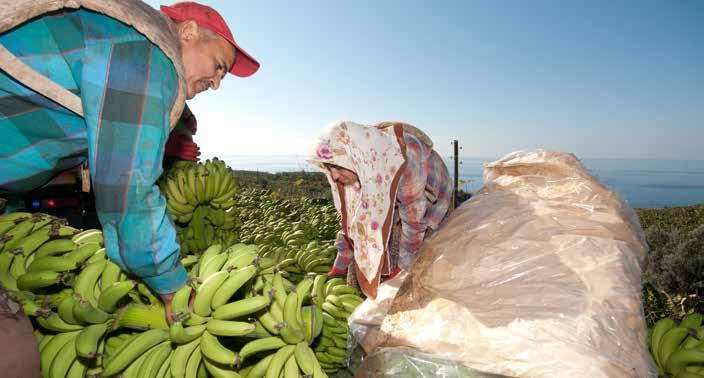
x,y
207,57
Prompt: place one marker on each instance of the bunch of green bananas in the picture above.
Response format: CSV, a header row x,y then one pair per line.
x,y
200,197
313,257
296,319
678,349
72,293
337,301
205,229
28,242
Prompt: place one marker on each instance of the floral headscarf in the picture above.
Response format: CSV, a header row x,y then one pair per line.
x,y
366,207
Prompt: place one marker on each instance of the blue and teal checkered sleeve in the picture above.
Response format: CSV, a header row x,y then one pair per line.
x,y
127,93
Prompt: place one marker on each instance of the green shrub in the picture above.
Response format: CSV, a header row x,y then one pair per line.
x,y
674,272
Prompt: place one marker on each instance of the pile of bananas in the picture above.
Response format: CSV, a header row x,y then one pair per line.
x,y
246,318
267,220
295,262
678,349
199,196
296,233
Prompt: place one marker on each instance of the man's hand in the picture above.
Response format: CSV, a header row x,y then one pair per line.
x,y
167,298
181,146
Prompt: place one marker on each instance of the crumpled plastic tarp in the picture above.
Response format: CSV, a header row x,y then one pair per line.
x,y
538,275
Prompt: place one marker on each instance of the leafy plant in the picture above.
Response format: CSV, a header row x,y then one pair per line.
x,y
674,273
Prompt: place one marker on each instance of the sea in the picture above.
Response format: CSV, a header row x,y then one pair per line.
x,y
642,183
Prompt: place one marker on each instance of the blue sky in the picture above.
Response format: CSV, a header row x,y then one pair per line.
x,y
600,79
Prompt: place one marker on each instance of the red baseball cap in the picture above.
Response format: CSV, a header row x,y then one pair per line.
x,y
210,19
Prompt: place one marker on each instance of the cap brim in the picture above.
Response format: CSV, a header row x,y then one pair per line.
x,y
244,65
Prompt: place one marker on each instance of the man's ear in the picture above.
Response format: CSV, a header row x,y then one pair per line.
x,y
188,31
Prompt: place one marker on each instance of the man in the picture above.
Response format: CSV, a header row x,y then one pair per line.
x,y
131,69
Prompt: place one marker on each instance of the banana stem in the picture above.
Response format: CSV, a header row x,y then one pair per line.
x,y
141,317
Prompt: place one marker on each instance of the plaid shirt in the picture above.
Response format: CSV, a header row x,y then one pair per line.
x,y
127,86
422,200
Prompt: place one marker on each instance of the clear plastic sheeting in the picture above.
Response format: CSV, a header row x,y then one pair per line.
x,y
538,275
408,363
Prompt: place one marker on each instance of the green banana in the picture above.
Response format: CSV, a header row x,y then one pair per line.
x,y
64,359
111,275
54,323
312,320
142,317
693,320
303,290
18,266
681,358
65,310
86,281
52,348
158,355
130,351
165,369
78,369
260,369
219,372
210,252
179,302
241,260
6,279
670,342
234,282
240,308
204,296
88,339
269,323
291,368
84,312
51,263
291,312
219,327
216,352
184,335
305,358
83,252
333,282
16,235
180,357
279,290
195,319
132,370
31,242
212,266
110,297
15,217
277,363
260,345
88,236
334,311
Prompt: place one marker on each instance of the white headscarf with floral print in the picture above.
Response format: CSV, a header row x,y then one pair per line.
x,y
376,157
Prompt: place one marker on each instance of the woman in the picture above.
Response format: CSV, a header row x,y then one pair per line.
x,y
373,171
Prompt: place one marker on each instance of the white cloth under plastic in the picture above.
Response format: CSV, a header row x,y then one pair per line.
x,y
538,275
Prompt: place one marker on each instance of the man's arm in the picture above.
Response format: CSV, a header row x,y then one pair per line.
x,y
127,90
